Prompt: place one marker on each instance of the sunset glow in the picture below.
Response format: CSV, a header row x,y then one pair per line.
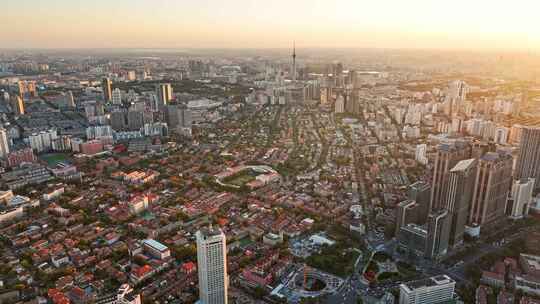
x,y
267,24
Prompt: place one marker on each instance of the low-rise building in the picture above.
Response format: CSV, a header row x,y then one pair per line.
x,y
156,249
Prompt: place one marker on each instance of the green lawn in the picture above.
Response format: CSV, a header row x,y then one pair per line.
x,y
54,158
241,178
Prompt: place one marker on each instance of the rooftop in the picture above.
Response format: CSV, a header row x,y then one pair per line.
x,y
429,282
155,244
463,165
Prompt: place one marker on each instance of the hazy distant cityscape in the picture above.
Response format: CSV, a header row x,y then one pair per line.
x,y
286,175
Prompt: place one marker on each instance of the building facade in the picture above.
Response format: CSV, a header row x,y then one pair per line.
x,y
438,289
459,197
212,266
528,162
493,180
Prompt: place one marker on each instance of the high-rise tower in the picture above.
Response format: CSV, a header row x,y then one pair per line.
x,y
212,266
294,63
420,192
438,232
17,105
106,83
448,155
528,162
459,197
406,213
493,180
164,93
4,143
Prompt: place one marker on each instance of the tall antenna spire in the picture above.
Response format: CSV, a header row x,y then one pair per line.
x,y
294,62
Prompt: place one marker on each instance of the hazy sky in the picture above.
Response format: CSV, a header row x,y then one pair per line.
x,y
500,24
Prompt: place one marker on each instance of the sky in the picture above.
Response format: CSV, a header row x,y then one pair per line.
x,y
411,24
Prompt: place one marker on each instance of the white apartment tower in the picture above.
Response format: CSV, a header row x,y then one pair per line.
x,y
4,143
421,154
212,266
117,96
340,105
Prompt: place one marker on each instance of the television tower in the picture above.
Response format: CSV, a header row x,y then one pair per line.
x,y
294,62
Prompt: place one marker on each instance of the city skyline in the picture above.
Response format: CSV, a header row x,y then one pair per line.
x,y
208,152
417,24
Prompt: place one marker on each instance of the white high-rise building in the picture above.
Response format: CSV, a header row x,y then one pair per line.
x,y
99,132
340,105
421,154
212,266
458,90
4,143
43,140
501,135
521,196
117,96
438,289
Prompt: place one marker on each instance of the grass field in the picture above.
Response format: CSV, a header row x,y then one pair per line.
x,y
54,158
241,178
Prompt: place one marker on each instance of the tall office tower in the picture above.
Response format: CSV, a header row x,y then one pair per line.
x,y
434,290
522,103
116,96
448,155
420,192
186,119
135,120
212,265
340,105
492,184
458,200
352,78
501,135
17,105
520,198
178,116
349,102
70,101
164,93
172,116
21,88
294,63
338,69
118,120
406,213
4,143
106,84
412,238
421,154
528,162
438,232
458,90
